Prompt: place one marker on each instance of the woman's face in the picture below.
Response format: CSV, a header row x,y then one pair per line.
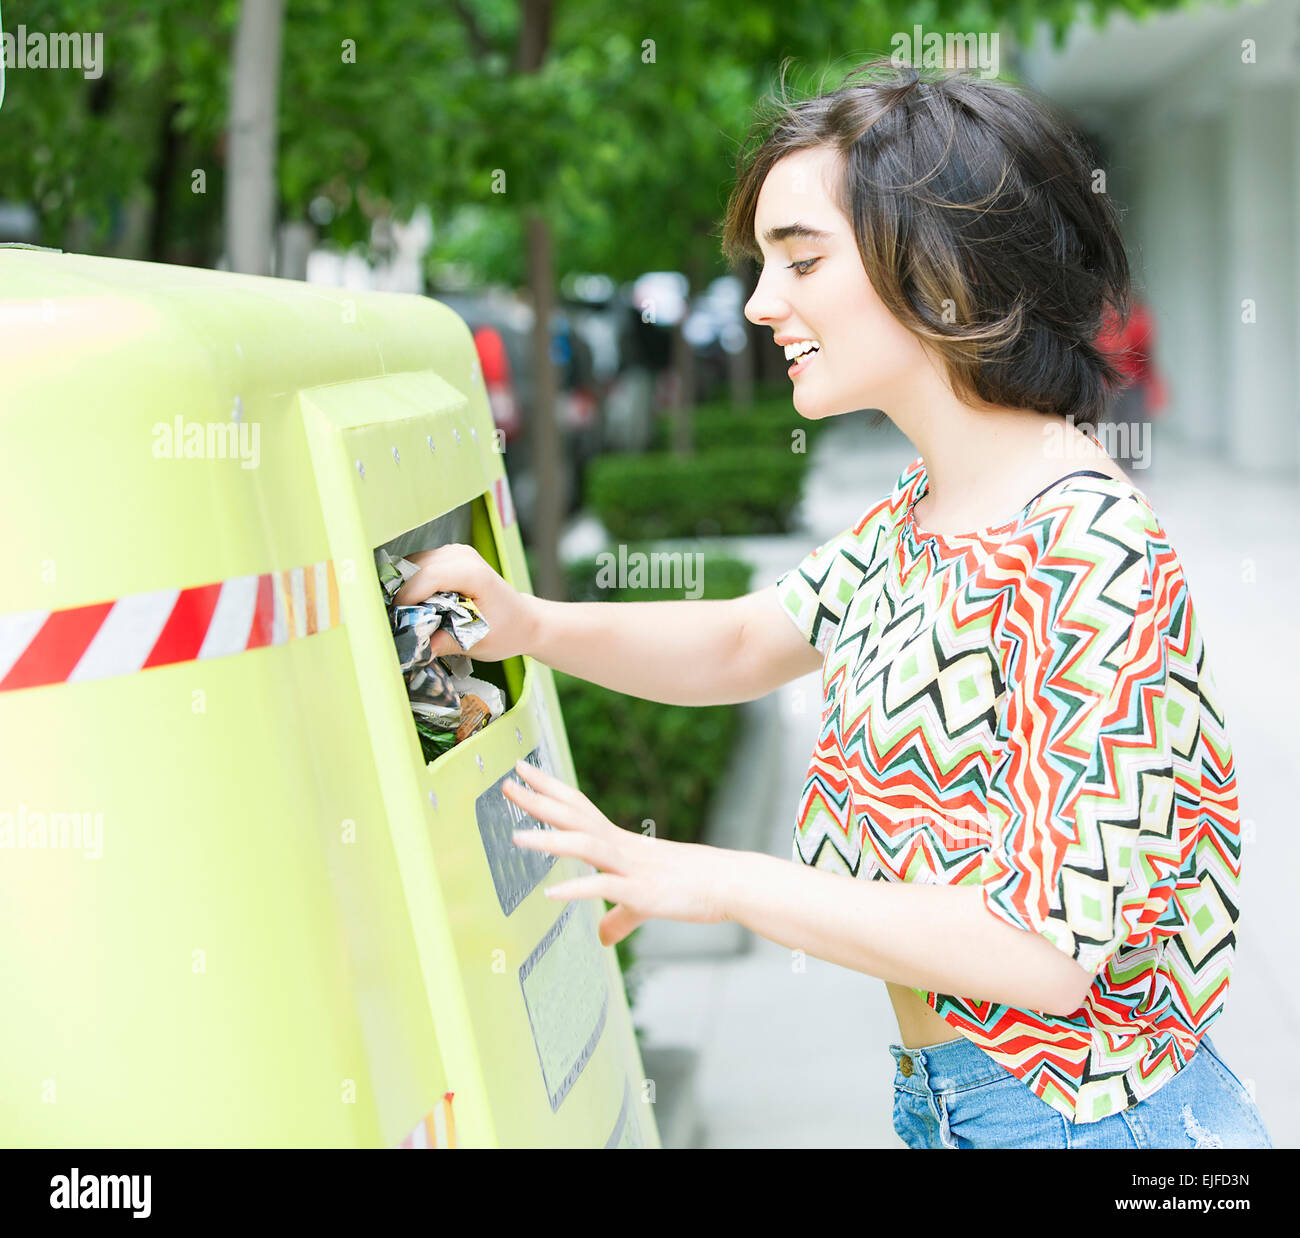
x,y
866,359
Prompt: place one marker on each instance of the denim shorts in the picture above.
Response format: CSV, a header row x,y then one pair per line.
x,y
953,1095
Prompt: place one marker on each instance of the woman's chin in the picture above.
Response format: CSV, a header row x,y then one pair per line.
x,y
813,409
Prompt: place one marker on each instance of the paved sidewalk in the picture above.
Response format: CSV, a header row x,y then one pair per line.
x,y
789,1057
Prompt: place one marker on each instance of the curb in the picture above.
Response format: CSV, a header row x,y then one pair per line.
x,y
672,1070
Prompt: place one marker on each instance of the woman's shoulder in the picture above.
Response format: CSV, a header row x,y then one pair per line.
x,y
1085,509
1090,550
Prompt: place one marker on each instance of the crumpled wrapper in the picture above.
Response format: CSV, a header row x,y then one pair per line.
x,y
435,698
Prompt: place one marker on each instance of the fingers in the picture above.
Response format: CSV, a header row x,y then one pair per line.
x,y
546,808
598,885
549,784
416,590
444,642
593,851
617,924
438,569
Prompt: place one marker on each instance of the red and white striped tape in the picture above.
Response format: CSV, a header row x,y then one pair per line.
x,y
143,630
505,505
437,1129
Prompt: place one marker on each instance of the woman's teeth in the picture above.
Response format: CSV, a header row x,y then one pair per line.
x,y
797,350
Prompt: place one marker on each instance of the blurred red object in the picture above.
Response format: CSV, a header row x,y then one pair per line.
x,y
579,410
496,378
1130,349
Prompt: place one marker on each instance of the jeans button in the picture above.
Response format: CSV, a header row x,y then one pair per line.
x,y
905,1065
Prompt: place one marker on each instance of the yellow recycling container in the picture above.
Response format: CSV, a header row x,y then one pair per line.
x,y
240,909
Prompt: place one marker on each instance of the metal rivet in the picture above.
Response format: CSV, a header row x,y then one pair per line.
x,y
479,758
456,432
361,468
428,438
237,413
433,799
519,736
473,433
396,458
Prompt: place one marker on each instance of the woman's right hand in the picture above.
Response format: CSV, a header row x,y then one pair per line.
x,y
457,568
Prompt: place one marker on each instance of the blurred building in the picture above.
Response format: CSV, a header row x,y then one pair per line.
x,y
1198,112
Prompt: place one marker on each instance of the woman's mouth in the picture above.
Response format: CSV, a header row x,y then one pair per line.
x,y
801,363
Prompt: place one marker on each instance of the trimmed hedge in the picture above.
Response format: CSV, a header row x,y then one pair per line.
x,y
643,761
729,491
722,574
640,759
770,423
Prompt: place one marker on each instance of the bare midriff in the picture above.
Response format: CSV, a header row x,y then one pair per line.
x,y
918,1024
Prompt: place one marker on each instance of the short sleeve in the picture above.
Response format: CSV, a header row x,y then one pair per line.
x,y
1083,845
816,592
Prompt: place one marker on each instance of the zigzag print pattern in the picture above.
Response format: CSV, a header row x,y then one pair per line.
x,y
1029,709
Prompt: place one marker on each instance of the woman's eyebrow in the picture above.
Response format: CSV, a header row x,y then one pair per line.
x,y
774,236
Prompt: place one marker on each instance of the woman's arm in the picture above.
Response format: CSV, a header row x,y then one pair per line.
x,y
934,937
688,652
680,652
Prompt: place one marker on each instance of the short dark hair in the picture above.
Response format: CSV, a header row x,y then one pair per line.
x,y
975,211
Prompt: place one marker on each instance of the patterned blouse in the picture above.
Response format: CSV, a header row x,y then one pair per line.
x,y
1029,708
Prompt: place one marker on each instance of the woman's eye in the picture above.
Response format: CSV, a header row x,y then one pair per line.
x,y
795,266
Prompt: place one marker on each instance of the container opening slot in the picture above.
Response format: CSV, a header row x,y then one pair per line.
x,y
452,697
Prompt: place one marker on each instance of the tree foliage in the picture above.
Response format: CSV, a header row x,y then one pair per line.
x,y
625,140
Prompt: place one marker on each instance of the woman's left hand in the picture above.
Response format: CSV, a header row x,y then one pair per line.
x,y
646,877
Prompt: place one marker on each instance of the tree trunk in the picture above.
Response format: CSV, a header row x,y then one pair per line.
x,y
742,365
530,53
297,240
684,370
549,508
683,390
250,171
163,178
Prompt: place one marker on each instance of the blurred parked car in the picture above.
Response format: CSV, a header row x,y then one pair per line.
x,y
614,367
502,329
625,365
715,330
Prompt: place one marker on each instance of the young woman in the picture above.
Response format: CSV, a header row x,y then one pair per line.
x,y
1021,811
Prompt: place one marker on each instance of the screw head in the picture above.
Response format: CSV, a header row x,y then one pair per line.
x,y
456,432
519,736
433,798
396,458
361,468
237,413
428,438
479,758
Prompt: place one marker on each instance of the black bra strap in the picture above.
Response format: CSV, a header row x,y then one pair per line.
x,y
1059,480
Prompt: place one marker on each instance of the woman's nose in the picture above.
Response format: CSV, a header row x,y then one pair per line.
x,y
763,307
